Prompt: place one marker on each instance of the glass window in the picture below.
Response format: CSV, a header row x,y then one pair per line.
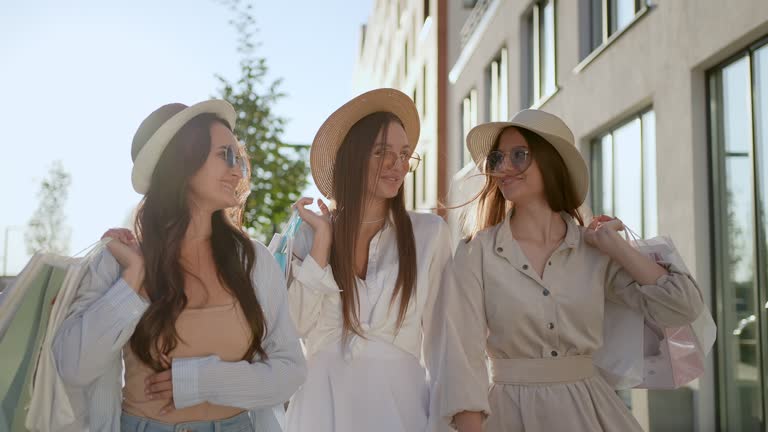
x,y
548,48
627,181
424,87
624,174
622,13
498,88
469,120
650,194
607,17
760,109
541,54
738,125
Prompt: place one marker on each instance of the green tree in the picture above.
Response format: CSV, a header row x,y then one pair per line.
x,y
47,231
278,170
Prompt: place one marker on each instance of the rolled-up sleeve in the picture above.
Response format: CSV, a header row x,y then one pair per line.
x,y
308,284
249,385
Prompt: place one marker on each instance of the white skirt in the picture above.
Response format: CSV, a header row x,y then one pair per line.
x,y
382,389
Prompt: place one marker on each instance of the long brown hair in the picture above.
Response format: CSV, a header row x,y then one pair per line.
x,y
559,191
161,223
350,191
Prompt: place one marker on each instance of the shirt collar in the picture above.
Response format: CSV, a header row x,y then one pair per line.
x,y
504,238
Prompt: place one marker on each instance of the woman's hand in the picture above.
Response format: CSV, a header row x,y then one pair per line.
x,y
469,421
125,248
159,386
321,224
603,233
318,222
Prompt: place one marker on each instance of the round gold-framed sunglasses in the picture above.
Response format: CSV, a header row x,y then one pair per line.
x,y
518,159
389,158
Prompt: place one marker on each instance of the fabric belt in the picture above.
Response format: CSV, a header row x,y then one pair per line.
x,y
541,371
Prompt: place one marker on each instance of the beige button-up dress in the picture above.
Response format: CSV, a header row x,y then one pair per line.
x,y
539,333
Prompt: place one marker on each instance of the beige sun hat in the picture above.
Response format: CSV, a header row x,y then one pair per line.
x,y
481,139
157,130
322,154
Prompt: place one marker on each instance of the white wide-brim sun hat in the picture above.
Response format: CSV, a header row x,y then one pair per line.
x,y
159,128
481,139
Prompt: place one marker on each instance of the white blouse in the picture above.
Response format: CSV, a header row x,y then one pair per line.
x,y
315,303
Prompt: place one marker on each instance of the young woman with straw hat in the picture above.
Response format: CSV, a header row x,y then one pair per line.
x,y
532,282
191,313
364,283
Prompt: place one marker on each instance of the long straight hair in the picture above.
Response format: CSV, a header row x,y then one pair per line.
x,y
559,190
350,191
161,224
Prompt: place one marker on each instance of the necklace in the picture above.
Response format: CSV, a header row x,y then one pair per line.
x,y
373,221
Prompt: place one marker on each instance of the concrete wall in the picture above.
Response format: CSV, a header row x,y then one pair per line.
x,y
380,64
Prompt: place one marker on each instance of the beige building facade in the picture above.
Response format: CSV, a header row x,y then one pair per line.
x,y
668,101
400,47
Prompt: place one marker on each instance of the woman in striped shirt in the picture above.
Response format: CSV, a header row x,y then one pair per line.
x,y
195,311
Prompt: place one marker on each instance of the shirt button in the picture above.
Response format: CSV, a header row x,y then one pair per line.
x,y
550,263
545,292
499,249
525,266
550,326
554,353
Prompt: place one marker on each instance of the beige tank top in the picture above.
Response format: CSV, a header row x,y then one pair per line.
x,y
215,330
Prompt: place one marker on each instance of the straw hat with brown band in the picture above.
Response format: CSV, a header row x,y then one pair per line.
x,y
481,139
322,154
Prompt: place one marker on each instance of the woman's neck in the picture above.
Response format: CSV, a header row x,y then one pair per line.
x,y
373,217
536,222
199,230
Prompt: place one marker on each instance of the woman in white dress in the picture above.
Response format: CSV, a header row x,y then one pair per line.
x,y
365,277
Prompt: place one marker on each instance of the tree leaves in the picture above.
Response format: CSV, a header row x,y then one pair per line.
x,y
47,230
278,171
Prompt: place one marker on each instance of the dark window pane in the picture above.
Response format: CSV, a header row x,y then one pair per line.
x,y
596,21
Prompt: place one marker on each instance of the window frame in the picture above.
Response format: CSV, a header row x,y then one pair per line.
x,y
597,169
535,92
718,228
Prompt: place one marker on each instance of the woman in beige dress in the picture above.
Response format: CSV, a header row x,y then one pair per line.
x,y
532,282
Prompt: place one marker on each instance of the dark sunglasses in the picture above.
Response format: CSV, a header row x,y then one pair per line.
x,y
232,158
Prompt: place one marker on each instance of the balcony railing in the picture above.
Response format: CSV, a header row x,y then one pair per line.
x,y
481,6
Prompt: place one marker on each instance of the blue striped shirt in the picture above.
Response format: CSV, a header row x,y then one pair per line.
x,y
88,351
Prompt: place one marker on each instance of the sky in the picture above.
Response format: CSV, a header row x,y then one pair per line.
x,y
78,77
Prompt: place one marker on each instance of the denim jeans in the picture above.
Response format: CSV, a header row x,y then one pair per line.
x,y
238,423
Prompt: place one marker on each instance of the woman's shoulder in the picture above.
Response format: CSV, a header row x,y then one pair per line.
x,y
484,236
268,279
429,222
102,265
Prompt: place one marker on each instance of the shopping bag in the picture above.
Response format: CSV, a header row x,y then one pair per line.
x,y
281,245
621,359
641,354
35,398
14,294
24,329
